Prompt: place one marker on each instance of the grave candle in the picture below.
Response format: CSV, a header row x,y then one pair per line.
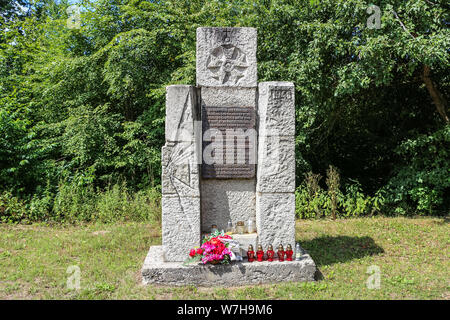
x,y
270,253
289,253
260,253
250,254
280,253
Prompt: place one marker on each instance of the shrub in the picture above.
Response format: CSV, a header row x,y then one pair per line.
x,y
310,197
421,183
312,201
117,203
76,202
12,209
333,188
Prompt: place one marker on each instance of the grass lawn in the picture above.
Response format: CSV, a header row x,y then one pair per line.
x,y
411,253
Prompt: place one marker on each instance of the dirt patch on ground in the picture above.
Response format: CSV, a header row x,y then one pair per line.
x,y
15,290
100,232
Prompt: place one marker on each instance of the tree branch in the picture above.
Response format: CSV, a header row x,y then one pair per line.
x,y
438,99
401,23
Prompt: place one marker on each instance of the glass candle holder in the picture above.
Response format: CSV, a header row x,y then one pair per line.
x,y
250,254
240,228
280,253
214,228
251,226
260,254
289,253
270,253
298,252
229,227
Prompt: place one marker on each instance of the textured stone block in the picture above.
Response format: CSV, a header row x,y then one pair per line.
x,y
226,57
276,109
276,164
275,218
228,97
225,200
156,271
181,112
180,226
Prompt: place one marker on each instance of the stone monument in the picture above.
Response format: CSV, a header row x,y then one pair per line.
x,y
229,156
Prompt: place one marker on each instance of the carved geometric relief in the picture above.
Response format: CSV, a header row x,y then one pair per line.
x,y
180,174
227,64
226,57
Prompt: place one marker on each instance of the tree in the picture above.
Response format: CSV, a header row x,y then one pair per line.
x,y
90,100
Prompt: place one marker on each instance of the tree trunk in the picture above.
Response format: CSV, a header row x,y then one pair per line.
x,y
438,99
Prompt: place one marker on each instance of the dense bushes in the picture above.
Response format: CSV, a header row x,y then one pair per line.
x,y
312,201
422,181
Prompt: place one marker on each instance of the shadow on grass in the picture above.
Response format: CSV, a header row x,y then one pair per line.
x,y
444,220
329,250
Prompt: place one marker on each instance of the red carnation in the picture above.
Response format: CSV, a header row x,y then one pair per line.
x,y
199,251
215,241
192,253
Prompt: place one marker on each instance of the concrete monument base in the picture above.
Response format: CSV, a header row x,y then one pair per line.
x,y
156,271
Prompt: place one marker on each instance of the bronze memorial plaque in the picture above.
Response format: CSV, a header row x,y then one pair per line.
x,y
237,128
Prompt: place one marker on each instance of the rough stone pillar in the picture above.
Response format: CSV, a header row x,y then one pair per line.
x,y
180,174
275,198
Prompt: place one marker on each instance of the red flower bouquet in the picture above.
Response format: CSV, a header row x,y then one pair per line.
x,y
214,249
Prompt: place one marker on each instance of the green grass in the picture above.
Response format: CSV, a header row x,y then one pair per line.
x,y
412,254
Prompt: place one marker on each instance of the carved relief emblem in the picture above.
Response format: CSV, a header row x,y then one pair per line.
x,y
227,63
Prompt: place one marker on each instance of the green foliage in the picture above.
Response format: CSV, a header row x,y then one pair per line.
x,y
118,204
74,201
333,189
78,201
313,202
12,209
423,181
89,101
